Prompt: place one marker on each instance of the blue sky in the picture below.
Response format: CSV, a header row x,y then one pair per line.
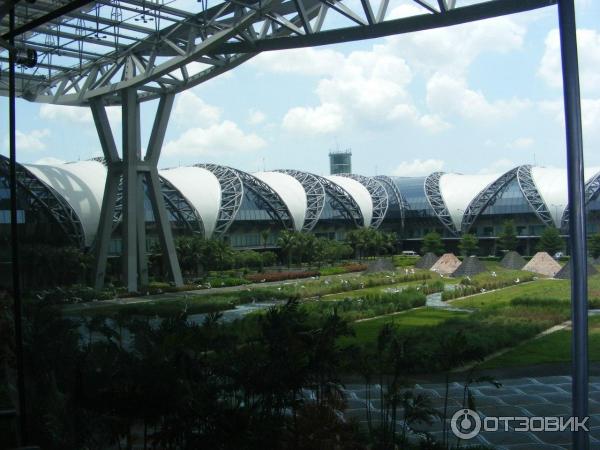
x,y
477,98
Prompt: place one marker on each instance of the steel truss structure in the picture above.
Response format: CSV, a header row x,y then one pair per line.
x,y
267,197
378,194
40,196
431,185
485,198
342,201
315,196
175,202
592,189
110,52
532,195
232,193
93,49
395,197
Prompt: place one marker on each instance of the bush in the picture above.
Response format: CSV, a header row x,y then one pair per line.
x,y
404,261
280,276
346,268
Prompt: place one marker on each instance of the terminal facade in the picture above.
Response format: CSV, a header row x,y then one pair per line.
x,y
61,204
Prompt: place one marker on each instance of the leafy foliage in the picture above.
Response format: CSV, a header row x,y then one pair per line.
x,y
432,242
468,244
550,241
507,239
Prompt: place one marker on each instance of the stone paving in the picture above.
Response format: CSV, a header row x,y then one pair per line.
x,y
540,396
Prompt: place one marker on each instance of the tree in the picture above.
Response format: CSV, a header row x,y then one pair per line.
x,y
287,241
594,245
432,242
468,244
550,241
507,240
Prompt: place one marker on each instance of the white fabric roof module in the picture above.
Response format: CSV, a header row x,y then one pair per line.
x,y
552,186
291,192
359,193
81,184
459,190
202,189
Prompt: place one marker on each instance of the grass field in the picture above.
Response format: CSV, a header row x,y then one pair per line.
x,y
366,331
552,348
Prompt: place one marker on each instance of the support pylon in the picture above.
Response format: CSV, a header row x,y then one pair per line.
x,y
136,172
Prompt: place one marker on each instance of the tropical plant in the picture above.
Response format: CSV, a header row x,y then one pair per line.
x,y
507,239
594,245
432,242
550,241
468,244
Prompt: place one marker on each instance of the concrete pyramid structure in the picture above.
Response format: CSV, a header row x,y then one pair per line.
x,y
565,272
513,261
543,264
470,266
446,264
426,261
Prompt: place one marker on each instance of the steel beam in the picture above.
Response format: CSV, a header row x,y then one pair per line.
x,y
577,226
14,236
133,171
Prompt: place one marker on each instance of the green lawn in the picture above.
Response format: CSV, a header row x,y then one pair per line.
x,y
552,348
367,330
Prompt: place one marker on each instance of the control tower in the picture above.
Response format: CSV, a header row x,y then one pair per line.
x,y
340,161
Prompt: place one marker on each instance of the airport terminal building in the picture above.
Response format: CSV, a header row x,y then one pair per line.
x,y
61,203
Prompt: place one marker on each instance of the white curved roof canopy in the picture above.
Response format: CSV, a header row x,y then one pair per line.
x,y
552,187
202,189
81,184
291,192
359,193
458,191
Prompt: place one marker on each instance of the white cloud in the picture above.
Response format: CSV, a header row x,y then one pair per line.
x,y
416,167
521,143
256,117
451,95
50,160
326,118
452,49
303,61
590,113
499,166
76,114
588,49
31,141
190,109
214,140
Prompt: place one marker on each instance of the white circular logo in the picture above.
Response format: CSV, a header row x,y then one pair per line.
x,y
465,424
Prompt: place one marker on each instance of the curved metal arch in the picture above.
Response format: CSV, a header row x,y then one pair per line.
x,y
232,192
180,207
379,197
155,59
433,194
315,196
592,189
175,202
43,196
342,201
487,196
395,197
532,195
274,205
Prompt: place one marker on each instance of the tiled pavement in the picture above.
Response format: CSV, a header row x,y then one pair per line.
x,y
540,396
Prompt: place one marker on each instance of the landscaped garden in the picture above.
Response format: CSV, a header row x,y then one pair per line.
x,y
275,373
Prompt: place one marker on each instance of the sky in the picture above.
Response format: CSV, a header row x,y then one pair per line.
x,y
476,98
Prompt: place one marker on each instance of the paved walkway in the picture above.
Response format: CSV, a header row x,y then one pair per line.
x,y
518,397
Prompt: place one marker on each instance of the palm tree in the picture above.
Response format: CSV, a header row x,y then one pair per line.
x,y
287,241
417,409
